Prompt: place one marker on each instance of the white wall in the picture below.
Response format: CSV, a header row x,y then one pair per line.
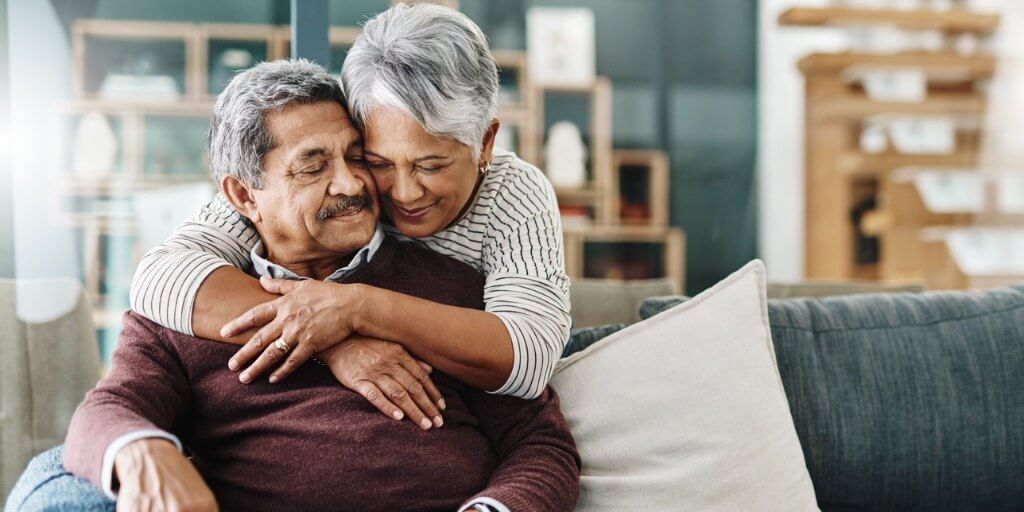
x,y
39,72
781,130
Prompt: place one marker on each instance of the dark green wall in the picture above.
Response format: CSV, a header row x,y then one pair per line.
x,y
684,75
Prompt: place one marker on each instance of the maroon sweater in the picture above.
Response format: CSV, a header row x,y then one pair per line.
x,y
309,443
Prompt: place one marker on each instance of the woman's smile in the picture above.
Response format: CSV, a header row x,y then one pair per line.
x,y
413,214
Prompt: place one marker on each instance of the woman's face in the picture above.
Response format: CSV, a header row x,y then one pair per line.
x,y
424,181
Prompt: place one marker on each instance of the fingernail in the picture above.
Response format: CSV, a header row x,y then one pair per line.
x,y
441,404
224,331
438,421
232,365
397,414
425,423
244,378
273,379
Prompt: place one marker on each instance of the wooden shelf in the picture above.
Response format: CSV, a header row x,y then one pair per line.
x,y
947,21
940,64
858,108
856,163
578,195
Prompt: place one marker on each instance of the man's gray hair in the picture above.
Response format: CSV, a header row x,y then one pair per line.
x,y
238,138
430,61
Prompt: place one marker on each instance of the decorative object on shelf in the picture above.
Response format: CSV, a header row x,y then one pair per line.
x,y
139,81
94,150
229,62
873,138
560,42
565,156
895,84
981,251
1010,195
139,87
945,191
923,135
575,216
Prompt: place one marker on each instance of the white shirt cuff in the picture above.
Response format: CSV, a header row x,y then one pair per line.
x,y
485,504
107,472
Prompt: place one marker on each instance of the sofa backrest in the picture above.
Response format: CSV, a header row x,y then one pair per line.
x,y
908,401
49,359
901,401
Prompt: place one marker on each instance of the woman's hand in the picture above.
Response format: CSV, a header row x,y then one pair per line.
x,y
310,316
386,375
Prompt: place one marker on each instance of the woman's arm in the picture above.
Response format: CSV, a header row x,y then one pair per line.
x,y
513,346
172,285
471,345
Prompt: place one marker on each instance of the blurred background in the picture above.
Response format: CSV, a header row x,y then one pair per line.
x,y
853,145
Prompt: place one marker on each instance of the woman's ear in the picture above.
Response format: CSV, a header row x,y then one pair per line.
x,y
487,147
240,196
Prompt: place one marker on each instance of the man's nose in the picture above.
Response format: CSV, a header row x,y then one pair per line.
x,y
344,183
406,190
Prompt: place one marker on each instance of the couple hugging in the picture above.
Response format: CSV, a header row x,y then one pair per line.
x,y
396,284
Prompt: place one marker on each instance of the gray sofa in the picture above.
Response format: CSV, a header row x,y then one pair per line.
x,y
902,402
49,359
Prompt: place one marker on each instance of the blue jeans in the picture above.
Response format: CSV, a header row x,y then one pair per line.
x,y
47,486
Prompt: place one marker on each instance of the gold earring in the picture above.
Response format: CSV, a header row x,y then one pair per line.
x,y
486,168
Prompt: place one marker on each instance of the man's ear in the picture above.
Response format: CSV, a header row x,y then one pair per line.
x,y
240,196
487,147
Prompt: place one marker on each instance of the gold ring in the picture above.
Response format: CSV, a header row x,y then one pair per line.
x,y
283,345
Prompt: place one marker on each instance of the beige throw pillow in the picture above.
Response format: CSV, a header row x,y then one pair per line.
x,y
686,410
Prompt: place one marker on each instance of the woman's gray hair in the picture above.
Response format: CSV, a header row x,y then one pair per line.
x,y
430,61
238,137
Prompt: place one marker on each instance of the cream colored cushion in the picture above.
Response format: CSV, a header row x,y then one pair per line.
x,y
686,410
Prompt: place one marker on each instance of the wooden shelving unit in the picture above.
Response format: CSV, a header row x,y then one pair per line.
x,y
951,21
195,96
848,188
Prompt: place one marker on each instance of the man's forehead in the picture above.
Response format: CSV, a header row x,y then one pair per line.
x,y
299,129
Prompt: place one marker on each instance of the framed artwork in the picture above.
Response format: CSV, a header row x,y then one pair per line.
x,y
560,44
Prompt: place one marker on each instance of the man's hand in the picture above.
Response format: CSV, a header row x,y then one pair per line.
x,y
386,375
156,477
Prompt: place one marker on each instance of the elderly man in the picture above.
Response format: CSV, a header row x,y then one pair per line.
x,y
308,443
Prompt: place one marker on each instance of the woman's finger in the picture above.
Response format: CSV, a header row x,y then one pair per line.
x,y
418,391
398,395
258,316
421,372
300,355
279,286
255,346
375,396
271,356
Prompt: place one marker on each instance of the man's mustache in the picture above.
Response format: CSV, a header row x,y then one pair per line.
x,y
355,203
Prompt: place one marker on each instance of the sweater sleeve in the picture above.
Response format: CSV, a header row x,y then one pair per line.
x,y
165,285
539,467
146,390
526,286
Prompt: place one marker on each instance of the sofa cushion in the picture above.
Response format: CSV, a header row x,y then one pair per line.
x,y
686,411
610,301
908,401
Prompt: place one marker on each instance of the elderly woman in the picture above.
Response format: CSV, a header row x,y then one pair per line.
x,y
422,87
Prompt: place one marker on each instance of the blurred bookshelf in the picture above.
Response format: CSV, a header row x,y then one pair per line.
x,y
147,88
891,149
